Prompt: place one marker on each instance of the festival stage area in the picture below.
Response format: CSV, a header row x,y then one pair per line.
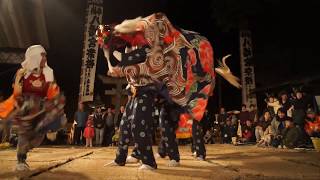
x,y
223,162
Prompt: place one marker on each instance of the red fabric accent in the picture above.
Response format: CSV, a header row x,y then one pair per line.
x,y
7,106
53,91
185,128
35,85
184,118
89,130
190,76
206,57
106,33
169,38
135,40
199,108
206,89
313,127
247,134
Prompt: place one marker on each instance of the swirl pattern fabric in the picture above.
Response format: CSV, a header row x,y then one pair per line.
x,y
181,59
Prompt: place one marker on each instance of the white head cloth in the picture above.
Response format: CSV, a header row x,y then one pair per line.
x,y
32,61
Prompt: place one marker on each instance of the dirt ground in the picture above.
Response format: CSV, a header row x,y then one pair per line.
x,y
223,162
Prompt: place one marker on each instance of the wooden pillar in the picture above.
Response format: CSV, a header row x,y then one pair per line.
x,y
118,92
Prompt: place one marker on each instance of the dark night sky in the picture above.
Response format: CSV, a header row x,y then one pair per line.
x,y
284,36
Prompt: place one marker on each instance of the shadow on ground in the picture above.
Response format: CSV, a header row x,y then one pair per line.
x,y
59,174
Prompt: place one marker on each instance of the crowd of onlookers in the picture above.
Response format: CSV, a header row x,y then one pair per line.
x,y
98,126
281,123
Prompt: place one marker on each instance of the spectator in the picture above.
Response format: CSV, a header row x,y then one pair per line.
x,y
89,131
262,125
273,105
208,137
277,125
109,127
312,127
284,101
99,124
253,115
243,115
266,139
222,117
234,120
311,118
80,117
311,115
299,109
228,131
248,132
292,136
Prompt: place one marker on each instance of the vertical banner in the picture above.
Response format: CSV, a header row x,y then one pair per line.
x,y
247,69
93,18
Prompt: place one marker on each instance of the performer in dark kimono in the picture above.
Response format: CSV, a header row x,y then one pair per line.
x,y
137,120
168,146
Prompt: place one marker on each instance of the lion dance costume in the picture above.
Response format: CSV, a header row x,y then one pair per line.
x,y
162,54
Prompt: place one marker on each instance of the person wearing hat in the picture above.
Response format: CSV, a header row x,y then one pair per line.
x,y
311,115
38,104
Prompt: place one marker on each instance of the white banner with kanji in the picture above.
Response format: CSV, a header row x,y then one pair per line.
x,y
247,69
93,18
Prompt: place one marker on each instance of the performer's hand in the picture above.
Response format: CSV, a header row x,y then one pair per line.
x,y
106,53
117,55
20,73
116,71
109,73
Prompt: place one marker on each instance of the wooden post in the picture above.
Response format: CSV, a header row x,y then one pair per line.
x,y
118,92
